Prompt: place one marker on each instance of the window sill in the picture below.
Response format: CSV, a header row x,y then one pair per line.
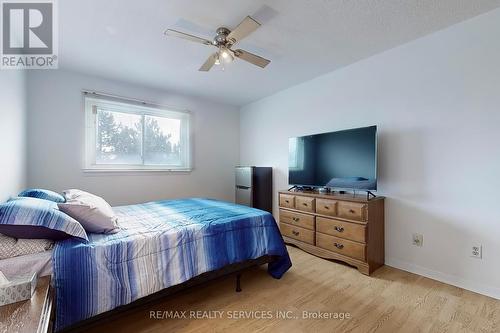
x,y
97,171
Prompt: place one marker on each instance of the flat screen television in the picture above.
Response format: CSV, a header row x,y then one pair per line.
x,y
342,160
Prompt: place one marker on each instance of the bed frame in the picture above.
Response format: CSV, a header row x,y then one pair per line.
x,y
233,269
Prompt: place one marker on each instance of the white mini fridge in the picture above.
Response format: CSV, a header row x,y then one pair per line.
x,y
254,187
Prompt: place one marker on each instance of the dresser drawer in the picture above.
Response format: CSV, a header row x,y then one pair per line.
x,y
341,246
287,201
301,234
297,219
326,207
352,210
342,229
304,203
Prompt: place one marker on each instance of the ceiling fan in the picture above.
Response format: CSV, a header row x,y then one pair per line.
x,y
224,40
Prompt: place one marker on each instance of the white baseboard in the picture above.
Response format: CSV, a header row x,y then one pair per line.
x,y
444,277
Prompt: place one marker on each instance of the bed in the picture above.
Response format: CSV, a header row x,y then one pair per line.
x,y
160,245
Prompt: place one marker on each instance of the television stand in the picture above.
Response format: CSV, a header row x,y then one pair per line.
x,y
301,188
335,226
369,194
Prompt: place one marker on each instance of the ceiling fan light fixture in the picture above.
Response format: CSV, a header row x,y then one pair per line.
x,y
226,55
224,41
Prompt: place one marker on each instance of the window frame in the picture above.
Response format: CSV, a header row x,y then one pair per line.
x,y
94,101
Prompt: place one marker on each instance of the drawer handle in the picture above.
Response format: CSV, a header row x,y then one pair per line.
x,y
326,207
338,246
305,204
339,229
296,219
352,211
296,233
287,201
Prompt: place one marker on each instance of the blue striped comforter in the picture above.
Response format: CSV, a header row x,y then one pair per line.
x,y
160,244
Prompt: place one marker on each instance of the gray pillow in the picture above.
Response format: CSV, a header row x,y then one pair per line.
x,y
93,212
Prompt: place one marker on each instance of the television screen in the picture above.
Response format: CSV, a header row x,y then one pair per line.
x,y
342,160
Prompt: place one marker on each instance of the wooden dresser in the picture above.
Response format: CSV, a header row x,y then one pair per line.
x,y
334,226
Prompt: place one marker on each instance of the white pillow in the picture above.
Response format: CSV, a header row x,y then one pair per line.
x,y
93,212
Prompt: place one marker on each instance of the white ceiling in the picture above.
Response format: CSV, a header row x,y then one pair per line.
x,y
123,39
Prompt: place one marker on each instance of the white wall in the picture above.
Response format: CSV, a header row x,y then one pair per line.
x,y
12,133
437,104
56,142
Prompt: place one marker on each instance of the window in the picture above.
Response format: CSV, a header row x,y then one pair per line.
x,y
296,154
123,135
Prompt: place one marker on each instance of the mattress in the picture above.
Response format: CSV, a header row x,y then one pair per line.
x,y
40,263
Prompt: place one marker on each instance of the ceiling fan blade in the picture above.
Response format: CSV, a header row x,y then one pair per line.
x,y
209,63
178,34
251,58
245,28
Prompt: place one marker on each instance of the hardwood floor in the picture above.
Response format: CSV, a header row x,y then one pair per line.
x,y
390,300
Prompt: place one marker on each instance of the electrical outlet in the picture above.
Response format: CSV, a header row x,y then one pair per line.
x,y
418,239
477,251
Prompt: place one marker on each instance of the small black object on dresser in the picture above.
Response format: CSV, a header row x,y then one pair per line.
x,y
254,187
